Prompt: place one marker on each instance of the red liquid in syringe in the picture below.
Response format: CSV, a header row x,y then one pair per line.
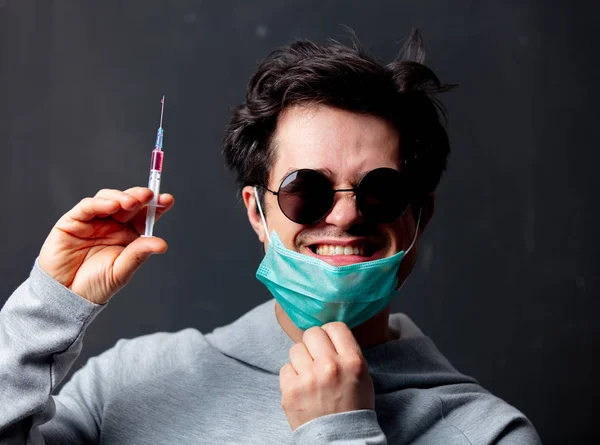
x,y
157,160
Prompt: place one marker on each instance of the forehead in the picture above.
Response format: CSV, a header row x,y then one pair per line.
x,y
343,144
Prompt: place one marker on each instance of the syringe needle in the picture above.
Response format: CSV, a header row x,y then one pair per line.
x,y
162,110
159,133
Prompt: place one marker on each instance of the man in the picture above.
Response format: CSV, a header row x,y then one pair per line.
x,y
337,159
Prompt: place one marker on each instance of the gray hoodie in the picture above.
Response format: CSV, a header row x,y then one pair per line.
x,y
219,388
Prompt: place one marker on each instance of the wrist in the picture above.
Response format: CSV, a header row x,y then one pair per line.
x,y
349,425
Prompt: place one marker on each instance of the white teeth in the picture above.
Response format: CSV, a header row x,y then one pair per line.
x,y
325,249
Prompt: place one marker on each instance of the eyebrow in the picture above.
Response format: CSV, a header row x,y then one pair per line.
x,y
324,171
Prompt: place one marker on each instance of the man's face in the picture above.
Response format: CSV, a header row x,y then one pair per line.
x,y
345,146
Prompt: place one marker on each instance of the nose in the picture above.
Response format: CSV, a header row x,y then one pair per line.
x,y
344,213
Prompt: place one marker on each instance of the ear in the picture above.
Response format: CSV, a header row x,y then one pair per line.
x,y
427,204
252,212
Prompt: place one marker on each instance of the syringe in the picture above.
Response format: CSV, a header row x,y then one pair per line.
x,y
155,171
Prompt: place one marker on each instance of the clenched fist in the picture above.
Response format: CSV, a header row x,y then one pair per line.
x,y
327,374
95,248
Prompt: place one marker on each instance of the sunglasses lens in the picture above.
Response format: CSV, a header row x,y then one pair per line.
x,y
383,195
305,196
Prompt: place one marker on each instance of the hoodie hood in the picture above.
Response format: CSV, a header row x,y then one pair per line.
x,y
412,361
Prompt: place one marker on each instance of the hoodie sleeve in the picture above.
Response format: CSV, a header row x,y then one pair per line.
x,y
41,329
349,428
484,418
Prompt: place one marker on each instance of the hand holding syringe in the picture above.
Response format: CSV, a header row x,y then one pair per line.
x,y
95,248
155,172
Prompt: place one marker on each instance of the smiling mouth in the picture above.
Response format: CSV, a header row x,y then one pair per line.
x,y
330,250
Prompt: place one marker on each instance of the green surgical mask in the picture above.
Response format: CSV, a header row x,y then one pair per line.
x,y
313,292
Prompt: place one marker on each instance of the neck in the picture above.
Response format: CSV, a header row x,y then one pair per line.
x,y
372,332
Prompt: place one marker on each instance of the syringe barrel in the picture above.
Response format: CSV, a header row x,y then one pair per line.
x,y
154,184
150,217
157,160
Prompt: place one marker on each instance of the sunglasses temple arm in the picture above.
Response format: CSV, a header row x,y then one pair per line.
x,y
262,216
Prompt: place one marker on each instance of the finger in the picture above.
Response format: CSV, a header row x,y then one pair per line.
x,y
133,200
136,254
144,195
139,219
286,375
318,343
165,201
300,358
89,208
127,200
130,200
141,193
108,230
342,338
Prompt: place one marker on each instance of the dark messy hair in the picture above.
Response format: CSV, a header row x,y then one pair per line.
x,y
306,73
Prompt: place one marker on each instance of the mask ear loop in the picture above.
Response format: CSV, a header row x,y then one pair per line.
x,y
416,232
262,216
398,287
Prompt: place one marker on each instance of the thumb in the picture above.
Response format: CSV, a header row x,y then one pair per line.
x,y
134,255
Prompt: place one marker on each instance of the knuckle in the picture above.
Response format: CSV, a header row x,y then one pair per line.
x,y
287,402
284,372
329,369
309,382
354,365
311,332
290,393
139,259
128,199
65,221
103,192
336,326
296,347
295,350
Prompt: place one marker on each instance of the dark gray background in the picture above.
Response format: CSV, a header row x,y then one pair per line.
x,y
507,279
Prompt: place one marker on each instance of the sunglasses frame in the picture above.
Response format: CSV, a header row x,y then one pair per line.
x,y
333,192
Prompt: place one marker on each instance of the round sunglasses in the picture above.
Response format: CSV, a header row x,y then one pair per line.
x,y
306,196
